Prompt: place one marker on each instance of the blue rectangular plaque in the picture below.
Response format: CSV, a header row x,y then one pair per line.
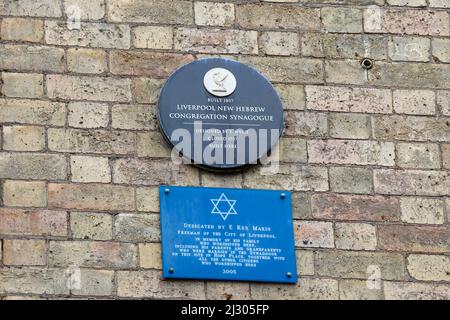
x,y
227,234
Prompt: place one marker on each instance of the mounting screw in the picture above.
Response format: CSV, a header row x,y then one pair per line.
x,y
367,63
289,275
166,190
283,195
171,270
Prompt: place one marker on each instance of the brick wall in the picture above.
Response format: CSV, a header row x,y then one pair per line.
x,y
366,152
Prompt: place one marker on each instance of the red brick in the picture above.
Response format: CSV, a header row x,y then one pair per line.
x,y
414,238
33,222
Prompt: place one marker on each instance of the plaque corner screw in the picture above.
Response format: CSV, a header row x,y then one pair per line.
x,y
283,195
166,190
289,274
171,270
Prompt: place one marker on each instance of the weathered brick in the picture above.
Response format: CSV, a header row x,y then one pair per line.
x,y
153,37
33,166
82,60
91,141
153,64
227,291
312,45
422,210
441,50
146,90
90,169
150,255
349,126
153,172
90,196
359,290
290,177
292,96
142,284
279,43
33,8
290,69
212,180
412,182
414,238
38,112
92,226
88,9
23,138
305,289
353,207
293,150
341,99
156,11
415,22
306,124
305,262
21,29
416,291
88,88
410,3
99,35
137,228
409,49
88,115
23,85
137,117
350,46
24,252
216,41
24,193
403,74
352,264
418,155
277,17
92,254
355,236
351,152
355,2
214,14
411,128
439,3
34,58
313,234
345,20
351,180
415,102
443,102
446,155
152,144
33,281
33,222
94,283
345,72
147,199
301,205
429,268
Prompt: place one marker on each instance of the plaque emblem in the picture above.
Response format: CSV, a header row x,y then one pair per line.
x,y
220,82
223,206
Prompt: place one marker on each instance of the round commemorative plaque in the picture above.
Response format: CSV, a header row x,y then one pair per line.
x,y
220,114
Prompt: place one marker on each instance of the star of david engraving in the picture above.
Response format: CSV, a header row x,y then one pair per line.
x,y
223,206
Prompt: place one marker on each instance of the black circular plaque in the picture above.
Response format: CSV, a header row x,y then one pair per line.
x,y
220,114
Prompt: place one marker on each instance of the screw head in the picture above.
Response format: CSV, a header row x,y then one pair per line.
x,y
171,270
166,190
289,275
283,195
